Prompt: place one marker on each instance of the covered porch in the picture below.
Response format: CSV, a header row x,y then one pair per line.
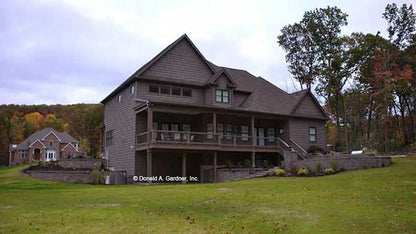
x,y
182,128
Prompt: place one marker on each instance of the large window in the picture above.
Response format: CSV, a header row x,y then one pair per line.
x,y
228,131
176,91
154,88
210,131
165,89
244,133
222,95
187,92
109,138
270,134
312,134
170,90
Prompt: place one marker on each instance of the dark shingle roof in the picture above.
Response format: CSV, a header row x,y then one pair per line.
x,y
263,95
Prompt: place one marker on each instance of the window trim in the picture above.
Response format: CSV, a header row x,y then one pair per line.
x,y
219,95
315,134
132,89
119,98
109,138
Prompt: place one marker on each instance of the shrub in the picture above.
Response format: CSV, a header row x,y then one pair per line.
x,y
280,172
334,165
98,176
247,163
303,172
329,171
318,167
266,163
45,164
314,149
228,164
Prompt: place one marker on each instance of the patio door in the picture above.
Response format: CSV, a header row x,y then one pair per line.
x,y
260,136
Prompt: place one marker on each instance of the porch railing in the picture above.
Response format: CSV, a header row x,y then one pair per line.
x,y
204,138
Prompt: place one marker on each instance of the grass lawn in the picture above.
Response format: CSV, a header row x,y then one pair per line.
x,y
381,200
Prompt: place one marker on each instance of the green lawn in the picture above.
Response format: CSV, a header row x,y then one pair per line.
x,y
379,200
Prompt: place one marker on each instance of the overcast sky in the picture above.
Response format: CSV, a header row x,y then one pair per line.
x,y
79,51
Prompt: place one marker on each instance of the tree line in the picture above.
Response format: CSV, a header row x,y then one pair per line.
x,y
368,82
82,121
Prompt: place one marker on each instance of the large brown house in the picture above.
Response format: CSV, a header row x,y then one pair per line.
x,y
44,145
181,115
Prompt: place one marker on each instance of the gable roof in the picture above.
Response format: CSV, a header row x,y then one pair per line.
x,y
218,74
41,134
300,96
51,132
69,144
37,140
262,94
153,61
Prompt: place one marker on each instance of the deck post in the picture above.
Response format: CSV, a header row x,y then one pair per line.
x,y
214,125
149,159
184,166
253,159
215,166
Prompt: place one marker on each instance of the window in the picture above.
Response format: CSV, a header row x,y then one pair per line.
x,y
244,133
220,129
132,89
228,131
109,138
119,98
270,134
154,88
186,92
312,134
210,131
222,96
50,143
176,91
165,89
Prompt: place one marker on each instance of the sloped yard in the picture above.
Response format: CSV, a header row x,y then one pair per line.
x,y
379,200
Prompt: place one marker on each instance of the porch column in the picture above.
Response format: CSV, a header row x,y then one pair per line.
x,y
253,159
184,166
149,158
253,134
215,166
149,124
214,123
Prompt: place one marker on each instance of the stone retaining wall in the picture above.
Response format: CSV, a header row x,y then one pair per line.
x,y
84,177
85,163
342,163
230,174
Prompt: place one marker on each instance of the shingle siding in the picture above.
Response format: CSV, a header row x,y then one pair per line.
x,y
308,108
299,132
120,117
181,63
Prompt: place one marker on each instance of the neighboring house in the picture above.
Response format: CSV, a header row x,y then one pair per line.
x,y
44,145
181,115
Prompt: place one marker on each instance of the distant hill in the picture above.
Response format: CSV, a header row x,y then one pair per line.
x,y
82,121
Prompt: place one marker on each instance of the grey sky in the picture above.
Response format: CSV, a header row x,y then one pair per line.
x,y
79,51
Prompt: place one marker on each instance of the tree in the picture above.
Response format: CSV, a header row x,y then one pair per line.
x,y
315,50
